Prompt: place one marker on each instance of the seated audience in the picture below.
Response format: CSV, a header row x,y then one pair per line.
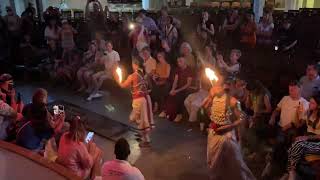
x,y
8,93
66,69
7,118
209,59
265,30
90,59
194,101
233,67
179,91
120,168
38,125
248,31
100,43
160,82
286,129
82,158
308,145
150,64
111,60
310,83
186,52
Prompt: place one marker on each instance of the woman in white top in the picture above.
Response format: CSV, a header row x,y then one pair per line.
x,y
52,30
264,30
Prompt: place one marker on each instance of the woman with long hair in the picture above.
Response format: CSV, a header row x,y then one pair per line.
x,y
52,30
141,101
308,145
83,158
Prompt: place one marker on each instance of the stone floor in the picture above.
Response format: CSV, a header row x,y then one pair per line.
x,y
178,150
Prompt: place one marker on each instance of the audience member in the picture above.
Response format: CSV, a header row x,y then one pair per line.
x,y
7,117
233,67
209,59
307,145
265,30
90,59
160,82
120,168
82,158
149,63
292,108
66,34
170,33
66,69
287,36
163,19
52,31
8,93
148,22
206,29
186,52
111,60
38,124
310,83
94,14
248,31
139,38
230,28
179,91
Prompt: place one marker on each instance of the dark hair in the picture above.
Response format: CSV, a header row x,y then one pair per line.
x,y
122,149
146,48
40,117
170,18
314,123
315,66
38,96
295,83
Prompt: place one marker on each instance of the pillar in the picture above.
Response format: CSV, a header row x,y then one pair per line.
x,y
258,9
153,4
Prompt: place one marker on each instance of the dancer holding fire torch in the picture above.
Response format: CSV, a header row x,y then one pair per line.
x,y
223,151
141,101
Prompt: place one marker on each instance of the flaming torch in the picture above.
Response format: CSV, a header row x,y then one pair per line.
x,y
119,73
211,75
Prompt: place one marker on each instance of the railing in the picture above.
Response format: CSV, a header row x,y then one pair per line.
x,y
17,163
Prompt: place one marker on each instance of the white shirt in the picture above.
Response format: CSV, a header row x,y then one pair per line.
x,y
110,59
288,108
120,170
50,33
5,111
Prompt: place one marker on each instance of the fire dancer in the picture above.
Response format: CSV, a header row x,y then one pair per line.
x,y
141,103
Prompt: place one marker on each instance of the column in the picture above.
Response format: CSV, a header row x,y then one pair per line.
x,y
258,9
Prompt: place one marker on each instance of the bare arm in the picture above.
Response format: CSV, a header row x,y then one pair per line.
x,y
275,113
187,85
127,82
175,82
267,104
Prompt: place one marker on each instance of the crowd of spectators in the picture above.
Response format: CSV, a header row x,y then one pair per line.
x,y
174,72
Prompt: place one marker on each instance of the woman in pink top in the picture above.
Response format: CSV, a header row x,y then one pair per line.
x,y
81,158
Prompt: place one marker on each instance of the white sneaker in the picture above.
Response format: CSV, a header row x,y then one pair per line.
x,y
178,118
89,98
97,95
162,114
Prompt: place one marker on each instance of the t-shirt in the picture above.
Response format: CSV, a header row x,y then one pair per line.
x,y
110,59
289,108
183,75
120,170
162,70
150,65
309,87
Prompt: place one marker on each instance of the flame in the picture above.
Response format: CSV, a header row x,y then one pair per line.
x,y
131,26
119,73
211,74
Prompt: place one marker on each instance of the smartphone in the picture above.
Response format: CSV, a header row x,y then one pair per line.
x,y
61,109
89,137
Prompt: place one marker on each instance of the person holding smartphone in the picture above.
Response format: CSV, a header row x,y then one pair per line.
x,y
81,157
8,93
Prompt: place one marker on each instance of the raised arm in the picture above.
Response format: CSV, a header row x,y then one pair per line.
x,y
127,82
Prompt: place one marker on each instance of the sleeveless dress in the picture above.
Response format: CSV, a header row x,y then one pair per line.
x,y
223,152
141,104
